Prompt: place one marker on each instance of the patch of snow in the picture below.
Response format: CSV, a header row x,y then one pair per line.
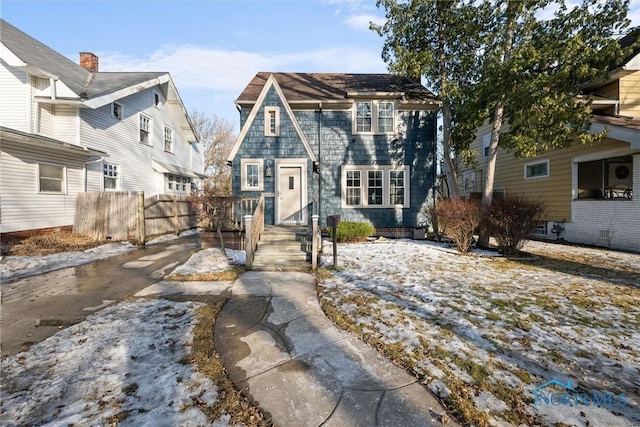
x,y
124,361
170,236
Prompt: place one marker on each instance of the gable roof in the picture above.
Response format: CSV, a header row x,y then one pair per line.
x,y
301,87
271,82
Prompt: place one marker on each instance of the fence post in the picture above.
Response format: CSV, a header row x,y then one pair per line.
x,y
248,239
314,242
176,226
142,235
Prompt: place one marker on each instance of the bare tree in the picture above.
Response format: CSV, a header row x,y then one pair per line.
x,y
217,137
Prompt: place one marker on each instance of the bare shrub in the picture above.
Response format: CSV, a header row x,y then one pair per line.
x,y
512,220
460,218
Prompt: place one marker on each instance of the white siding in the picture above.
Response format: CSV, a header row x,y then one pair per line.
x,y
610,223
15,98
66,124
22,208
120,138
46,124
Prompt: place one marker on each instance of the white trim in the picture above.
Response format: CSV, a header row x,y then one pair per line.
x,y
621,133
375,118
386,186
486,142
64,179
150,127
267,121
271,81
118,178
243,176
603,155
537,162
302,163
172,147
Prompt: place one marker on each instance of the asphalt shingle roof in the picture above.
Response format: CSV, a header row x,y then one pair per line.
x,y
335,86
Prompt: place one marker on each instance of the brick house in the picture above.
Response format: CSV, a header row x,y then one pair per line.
x,y
358,145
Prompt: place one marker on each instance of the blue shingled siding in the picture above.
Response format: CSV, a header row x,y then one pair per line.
x,y
413,146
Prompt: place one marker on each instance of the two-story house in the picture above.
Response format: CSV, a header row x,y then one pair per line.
x,y
589,190
67,128
361,146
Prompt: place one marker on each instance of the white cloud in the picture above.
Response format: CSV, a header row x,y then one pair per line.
x,y
362,22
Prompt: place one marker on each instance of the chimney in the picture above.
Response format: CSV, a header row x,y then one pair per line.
x,y
89,61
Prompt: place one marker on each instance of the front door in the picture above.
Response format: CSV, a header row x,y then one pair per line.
x,y
290,195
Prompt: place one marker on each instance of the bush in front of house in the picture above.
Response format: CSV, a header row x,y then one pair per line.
x,y
512,220
459,218
348,231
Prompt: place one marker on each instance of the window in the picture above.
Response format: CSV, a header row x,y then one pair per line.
x,y
52,179
536,170
178,184
374,187
116,110
469,181
353,188
110,176
366,111
363,116
168,139
384,186
397,187
145,129
156,99
385,117
271,121
486,142
251,171
610,178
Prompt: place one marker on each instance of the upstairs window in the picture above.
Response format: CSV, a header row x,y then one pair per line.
x,y
145,129
52,179
116,110
375,117
486,142
271,121
110,176
168,139
157,101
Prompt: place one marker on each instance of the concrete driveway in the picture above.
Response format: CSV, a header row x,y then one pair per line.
x,y
34,308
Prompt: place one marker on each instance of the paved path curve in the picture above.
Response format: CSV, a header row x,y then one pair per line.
x,y
291,360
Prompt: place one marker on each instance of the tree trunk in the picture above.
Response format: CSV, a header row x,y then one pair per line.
x,y
452,182
498,115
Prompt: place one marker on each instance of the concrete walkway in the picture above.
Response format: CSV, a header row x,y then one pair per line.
x,y
291,360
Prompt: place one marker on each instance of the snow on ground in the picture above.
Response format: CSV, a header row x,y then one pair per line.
x,y
123,363
15,267
494,329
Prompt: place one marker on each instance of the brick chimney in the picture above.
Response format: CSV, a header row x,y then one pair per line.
x,y
89,61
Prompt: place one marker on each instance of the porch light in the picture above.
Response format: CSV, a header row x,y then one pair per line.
x,y
268,172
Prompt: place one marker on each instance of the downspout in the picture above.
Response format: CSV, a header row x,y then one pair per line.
x,y
319,156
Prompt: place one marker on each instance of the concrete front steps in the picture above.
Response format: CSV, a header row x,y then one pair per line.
x,y
283,248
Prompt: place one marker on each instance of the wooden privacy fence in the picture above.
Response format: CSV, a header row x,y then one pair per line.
x,y
127,215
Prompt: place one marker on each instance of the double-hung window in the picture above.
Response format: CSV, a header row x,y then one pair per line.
x,y
375,186
145,129
110,176
375,117
52,179
271,121
168,139
251,171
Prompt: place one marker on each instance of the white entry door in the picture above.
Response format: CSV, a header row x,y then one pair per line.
x,y
290,195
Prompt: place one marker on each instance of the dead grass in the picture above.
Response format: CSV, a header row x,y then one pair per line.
x,y
48,243
226,275
203,355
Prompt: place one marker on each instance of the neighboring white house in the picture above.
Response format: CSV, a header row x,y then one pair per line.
x,y
67,128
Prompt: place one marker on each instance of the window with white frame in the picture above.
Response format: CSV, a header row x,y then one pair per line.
x,y
110,176
145,129
178,184
168,139
353,188
251,174
374,117
116,110
538,169
52,178
375,186
271,121
486,142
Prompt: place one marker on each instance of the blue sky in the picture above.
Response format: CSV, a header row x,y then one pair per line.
x,y
212,48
